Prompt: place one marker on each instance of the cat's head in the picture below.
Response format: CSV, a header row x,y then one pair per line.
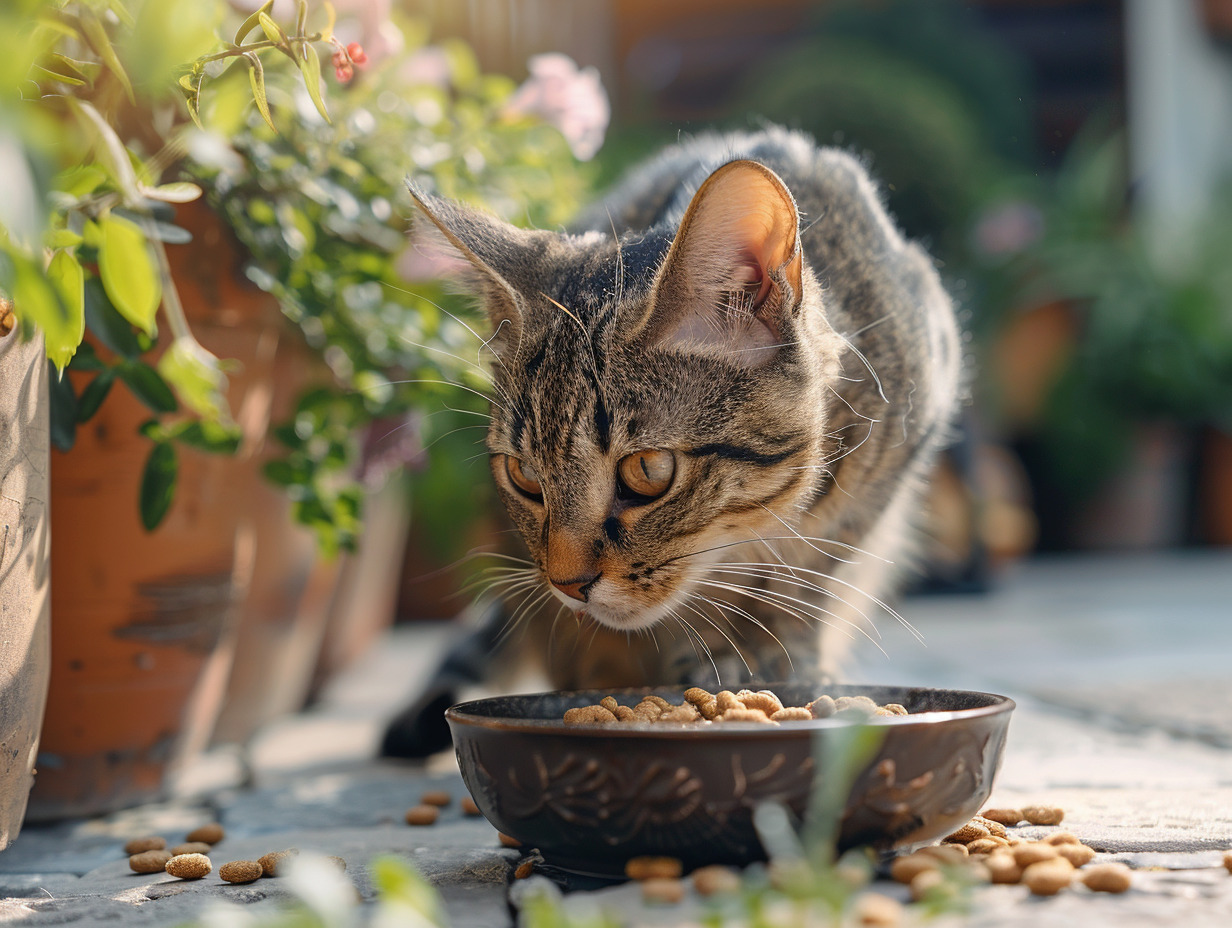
x,y
658,398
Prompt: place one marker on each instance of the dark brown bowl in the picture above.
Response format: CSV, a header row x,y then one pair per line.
x,y
590,797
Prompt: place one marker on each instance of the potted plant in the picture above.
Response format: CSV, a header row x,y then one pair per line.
x,y
128,111
1145,361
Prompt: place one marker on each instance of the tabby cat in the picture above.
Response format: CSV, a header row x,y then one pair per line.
x,y
715,404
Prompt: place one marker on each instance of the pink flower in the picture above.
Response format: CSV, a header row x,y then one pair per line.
x,y
571,99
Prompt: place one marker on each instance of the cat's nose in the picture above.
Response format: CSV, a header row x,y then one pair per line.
x,y
578,588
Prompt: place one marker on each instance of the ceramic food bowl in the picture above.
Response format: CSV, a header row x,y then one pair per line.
x,y
590,797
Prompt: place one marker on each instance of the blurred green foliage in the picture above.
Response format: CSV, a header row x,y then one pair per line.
x,y
105,100
323,210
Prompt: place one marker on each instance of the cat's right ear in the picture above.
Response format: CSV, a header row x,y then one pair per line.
x,y
483,253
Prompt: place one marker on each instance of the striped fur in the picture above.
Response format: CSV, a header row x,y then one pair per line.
x,y
803,399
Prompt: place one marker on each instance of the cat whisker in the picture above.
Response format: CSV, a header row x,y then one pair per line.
x,y
695,636
450,383
772,573
715,626
458,319
807,539
722,605
860,354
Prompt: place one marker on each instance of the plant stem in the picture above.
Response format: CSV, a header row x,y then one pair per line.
x,y
236,50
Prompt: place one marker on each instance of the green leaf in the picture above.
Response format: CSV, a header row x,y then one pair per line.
x,y
86,359
38,300
256,77
63,409
282,473
197,378
108,325
214,437
96,35
272,30
158,484
128,272
310,65
252,21
62,238
68,279
81,180
47,74
148,386
94,393
179,192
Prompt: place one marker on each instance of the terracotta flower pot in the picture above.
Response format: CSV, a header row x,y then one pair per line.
x,y
25,603
144,625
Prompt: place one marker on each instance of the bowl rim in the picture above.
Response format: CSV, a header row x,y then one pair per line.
x,y
461,714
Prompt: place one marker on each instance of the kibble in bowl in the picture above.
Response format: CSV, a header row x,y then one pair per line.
x,y
676,772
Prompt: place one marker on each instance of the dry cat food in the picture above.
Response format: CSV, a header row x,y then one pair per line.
x,y
189,866
207,834
241,871
422,815
1227,861
190,847
715,879
436,797
700,705
468,806
154,861
650,868
150,843
874,910
985,850
508,840
663,890
271,861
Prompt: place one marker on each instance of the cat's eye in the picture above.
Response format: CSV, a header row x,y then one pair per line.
x,y
523,476
646,473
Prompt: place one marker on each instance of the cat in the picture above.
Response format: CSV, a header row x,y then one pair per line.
x,y
716,402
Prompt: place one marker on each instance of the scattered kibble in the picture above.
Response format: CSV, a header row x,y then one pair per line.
x,y
422,815
1033,853
1003,816
874,910
1107,878
663,890
905,869
140,845
469,807
339,862
189,866
1002,867
154,861
924,882
191,847
1227,861
1062,837
273,860
1048,877
968,833
525,868
1043,815
508,840
209,834
1077,854
700,706
649,868
241,871
436,797
714,880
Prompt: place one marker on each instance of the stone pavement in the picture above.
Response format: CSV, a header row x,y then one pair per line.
x,y
1121,667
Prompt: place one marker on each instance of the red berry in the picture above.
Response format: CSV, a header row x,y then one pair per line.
x,y
344,73
356,53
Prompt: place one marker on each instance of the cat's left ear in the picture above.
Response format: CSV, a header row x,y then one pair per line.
x,y
493,255
733,276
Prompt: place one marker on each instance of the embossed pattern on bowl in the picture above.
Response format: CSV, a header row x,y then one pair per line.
x,y
589,797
